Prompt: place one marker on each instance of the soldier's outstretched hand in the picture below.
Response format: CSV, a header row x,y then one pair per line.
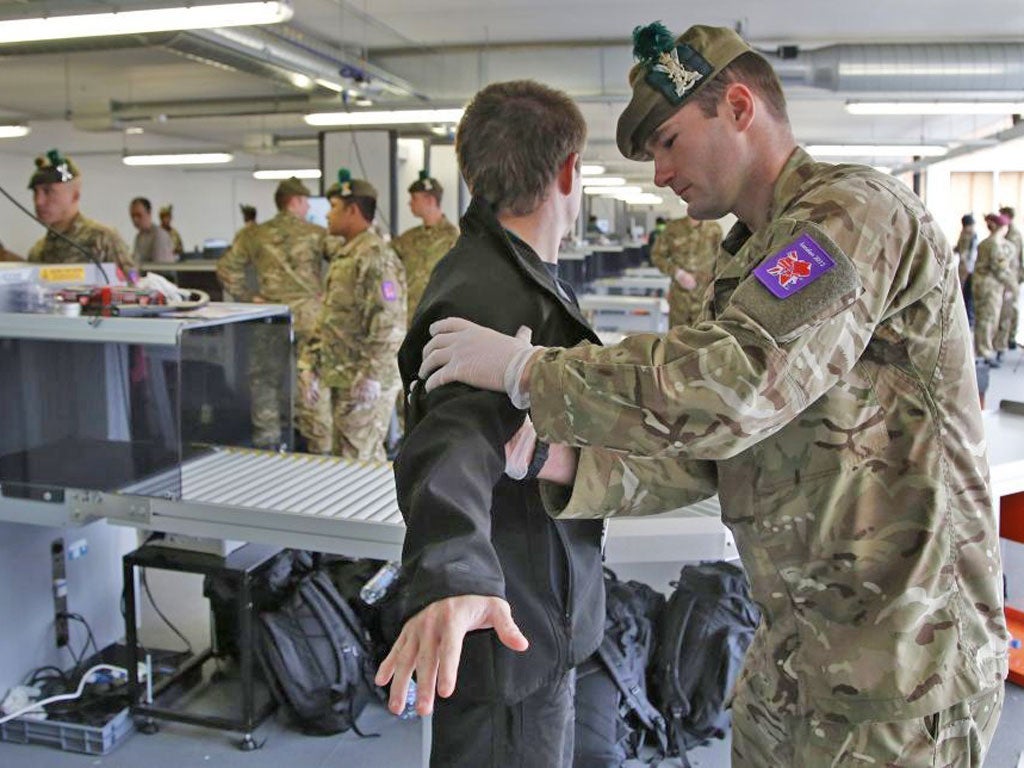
x,y
431,645
463,351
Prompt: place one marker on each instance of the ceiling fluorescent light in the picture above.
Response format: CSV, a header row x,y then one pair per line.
x,y
935,107
612,191
604,181
331,86
179,17
185,158
876,150
591,170
389,117
13,131
301,173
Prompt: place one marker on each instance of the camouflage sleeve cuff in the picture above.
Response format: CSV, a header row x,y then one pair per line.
x,y
610,484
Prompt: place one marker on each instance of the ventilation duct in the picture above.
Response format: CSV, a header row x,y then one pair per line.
x,y
928,67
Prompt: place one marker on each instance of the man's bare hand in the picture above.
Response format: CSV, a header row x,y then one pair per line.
x,y
685,280
431,645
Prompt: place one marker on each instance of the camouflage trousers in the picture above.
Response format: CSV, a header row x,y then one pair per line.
x,y
683,305
270,370
359,431
955,737
988,307
1008,321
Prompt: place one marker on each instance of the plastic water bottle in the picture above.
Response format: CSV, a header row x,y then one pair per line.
x,y
410,703
379,583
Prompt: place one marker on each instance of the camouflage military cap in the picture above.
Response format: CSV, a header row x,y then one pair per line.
x,y
248,211
346,187
166,210
667,74
426,184
53,168
293,187
1007,211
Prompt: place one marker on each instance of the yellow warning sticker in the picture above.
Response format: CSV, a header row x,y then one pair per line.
x,y
64,274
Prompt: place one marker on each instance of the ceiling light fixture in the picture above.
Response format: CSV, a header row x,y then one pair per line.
x,y
877,150
935,107
300,173
167,19
591,170
329,85
612,191
604,181
181,158
13,131
387,117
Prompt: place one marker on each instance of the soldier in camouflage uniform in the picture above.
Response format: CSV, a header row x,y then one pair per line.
x,y
828,395
362,324
420,248
288,255
685,251
166,213
993,276
56,191
1008,326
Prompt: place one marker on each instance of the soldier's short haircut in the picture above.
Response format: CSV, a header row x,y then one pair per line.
x,y
752,70
144,202
512,140
367,205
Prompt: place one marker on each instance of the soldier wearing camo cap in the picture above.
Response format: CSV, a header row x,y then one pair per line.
x,y
56,188
994,275
420,248
1008,325
289,256
166,214
685,250
362,324
828,395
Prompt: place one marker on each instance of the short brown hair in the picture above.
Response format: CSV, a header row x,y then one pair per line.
x,y
512,140
754,71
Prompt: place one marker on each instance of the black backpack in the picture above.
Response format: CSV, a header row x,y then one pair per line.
x,y
613,714
704,632
315,655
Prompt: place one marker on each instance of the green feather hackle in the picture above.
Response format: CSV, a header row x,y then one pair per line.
x,y
344,174
424,175
54,157
651,41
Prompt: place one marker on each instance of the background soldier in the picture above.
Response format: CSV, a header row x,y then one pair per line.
x,y
420,248
966,249
993,273
1013,237
56,192
360,328
248,215
288,256
685,251
166,214
828,395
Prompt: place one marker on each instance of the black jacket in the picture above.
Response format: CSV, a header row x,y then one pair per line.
x,y
470,529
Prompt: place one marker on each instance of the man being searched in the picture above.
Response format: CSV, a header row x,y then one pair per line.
x,y
289,256
420,248
685,251
56,188
479,547
152,243
827,394
358,333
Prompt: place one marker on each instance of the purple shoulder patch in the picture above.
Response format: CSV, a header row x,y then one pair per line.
x,y
794,267
387,289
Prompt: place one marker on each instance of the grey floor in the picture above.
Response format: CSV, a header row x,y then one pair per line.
x,y
399,744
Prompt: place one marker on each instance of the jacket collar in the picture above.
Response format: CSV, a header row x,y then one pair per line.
x,y
481,219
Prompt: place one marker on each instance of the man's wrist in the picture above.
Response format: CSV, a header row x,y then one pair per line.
x,y
524,379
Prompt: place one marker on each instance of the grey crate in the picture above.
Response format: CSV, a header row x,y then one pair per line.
x,y
71,737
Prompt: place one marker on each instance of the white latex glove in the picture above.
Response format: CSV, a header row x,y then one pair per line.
x,y
365,391
157,282
480,357
309,384
519,450
685,279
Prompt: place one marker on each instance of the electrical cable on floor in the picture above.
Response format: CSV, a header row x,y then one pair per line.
x,y
174,629
86,679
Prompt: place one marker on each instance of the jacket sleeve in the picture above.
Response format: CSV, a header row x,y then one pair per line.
x,y
382,305
445,475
